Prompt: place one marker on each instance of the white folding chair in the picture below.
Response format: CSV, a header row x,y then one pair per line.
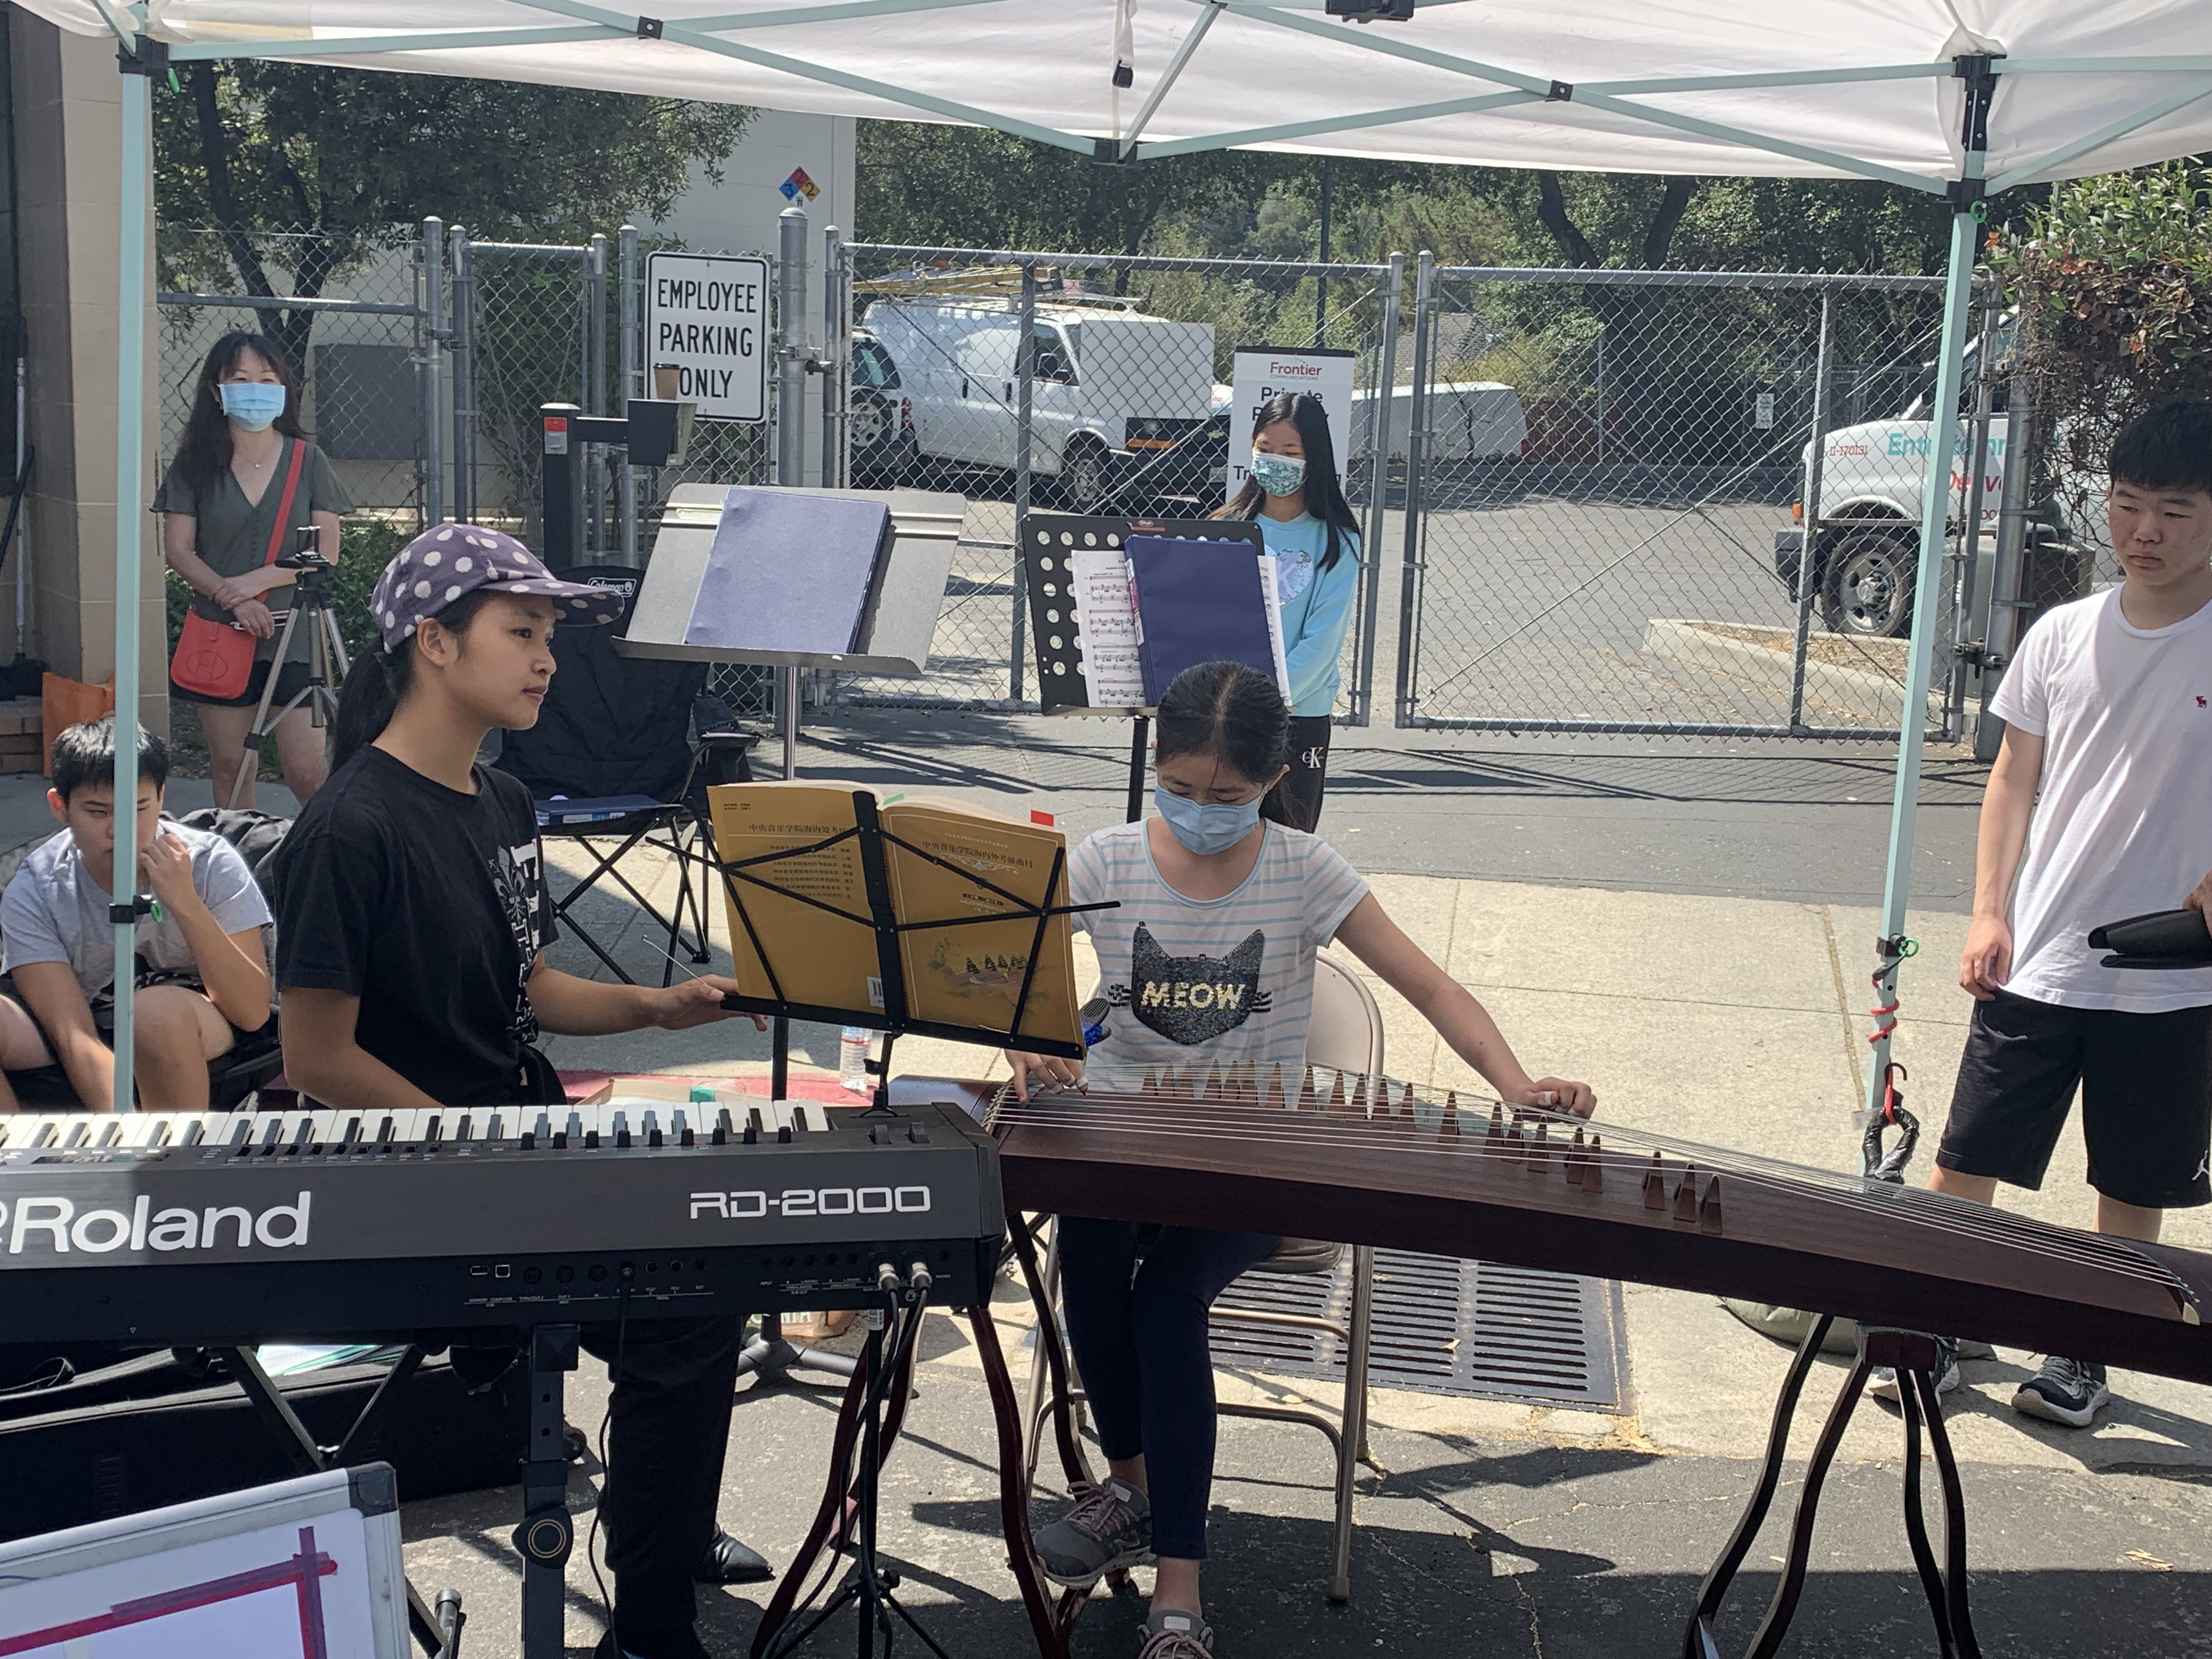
x,y
1345,1036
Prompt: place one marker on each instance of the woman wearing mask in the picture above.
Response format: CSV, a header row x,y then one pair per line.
x,y
243,446
1309,529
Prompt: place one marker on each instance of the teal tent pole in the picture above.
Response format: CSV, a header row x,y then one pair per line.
x,y
1912,722
130,529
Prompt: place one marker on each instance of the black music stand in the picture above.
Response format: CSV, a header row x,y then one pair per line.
x,y
1045,539
769,1357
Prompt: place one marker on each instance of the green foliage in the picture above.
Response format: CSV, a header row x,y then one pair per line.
x,y
2112,279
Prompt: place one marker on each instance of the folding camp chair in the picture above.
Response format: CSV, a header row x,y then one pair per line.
x,y
614,768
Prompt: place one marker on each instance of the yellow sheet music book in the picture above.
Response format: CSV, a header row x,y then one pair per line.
x,y
968,873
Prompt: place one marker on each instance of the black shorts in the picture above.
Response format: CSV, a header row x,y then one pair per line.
x,y
2146,1083
289,683
1295,800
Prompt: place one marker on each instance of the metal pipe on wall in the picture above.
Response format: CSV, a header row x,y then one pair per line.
x,y
632,379
431,370
462,275
2001,633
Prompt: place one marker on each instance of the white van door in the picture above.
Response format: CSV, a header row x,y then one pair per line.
x,y
986,425
1055,395
923,341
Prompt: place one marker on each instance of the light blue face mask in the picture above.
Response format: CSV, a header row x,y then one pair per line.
x,y
1203,829
253,405
1278,475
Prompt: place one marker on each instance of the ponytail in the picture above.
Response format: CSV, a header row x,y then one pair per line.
x,y
380,680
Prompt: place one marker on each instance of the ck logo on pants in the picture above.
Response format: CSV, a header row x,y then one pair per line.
x,y
1191,999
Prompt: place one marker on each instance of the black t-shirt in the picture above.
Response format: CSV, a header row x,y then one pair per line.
x,y
430,906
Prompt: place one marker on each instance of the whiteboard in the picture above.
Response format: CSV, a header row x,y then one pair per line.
x,y
304,1569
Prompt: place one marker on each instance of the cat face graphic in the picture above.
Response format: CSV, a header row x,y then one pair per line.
x,y
1193,999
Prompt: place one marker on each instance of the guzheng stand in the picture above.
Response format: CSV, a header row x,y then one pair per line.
x,y
1913,1357
845,1520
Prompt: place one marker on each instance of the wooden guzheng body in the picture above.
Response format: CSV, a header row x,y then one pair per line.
x,y
1315,1154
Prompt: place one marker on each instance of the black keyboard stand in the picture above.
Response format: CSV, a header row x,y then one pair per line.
x,y
547,1533
771,1359
436,1631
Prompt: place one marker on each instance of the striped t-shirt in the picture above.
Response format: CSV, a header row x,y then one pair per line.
x,y
1223,980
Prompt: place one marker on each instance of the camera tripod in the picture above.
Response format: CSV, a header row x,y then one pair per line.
x,y
311,598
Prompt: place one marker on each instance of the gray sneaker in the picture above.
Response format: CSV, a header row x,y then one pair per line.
x,y
1884,1383
1172,1634
2068,1391
1107,1529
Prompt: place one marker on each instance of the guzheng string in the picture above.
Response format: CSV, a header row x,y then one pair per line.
x,y
1331,1110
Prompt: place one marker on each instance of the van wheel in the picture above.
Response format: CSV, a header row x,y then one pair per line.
x,y
1868,587
1086,479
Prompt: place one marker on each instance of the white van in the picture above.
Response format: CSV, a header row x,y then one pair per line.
x,y
1119,403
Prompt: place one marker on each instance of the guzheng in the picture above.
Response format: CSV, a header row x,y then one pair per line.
x,y
161,1227
1316,1154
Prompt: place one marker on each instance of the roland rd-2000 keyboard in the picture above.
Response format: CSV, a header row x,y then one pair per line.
x,y
170,1228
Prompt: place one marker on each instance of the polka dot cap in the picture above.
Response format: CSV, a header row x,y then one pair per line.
x,y
449,560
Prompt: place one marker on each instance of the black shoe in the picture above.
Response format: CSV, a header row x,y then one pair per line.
x,y
2068,1391
730,1562
660,1645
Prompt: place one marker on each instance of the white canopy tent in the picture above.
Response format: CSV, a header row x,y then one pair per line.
x,y
1960,99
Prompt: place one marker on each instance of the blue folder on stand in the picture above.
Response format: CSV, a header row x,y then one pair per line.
x,y
1197,601
790,571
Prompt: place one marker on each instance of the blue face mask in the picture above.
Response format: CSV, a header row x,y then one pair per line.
x,y
1278,475
1204,830
253,405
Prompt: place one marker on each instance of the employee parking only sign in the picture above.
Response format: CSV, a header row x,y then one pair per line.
x,y
706,314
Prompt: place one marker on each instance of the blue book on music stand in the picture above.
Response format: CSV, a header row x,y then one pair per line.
x,y
791,572
1198,601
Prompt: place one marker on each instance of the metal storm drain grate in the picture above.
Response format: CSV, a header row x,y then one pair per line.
x,y
1442,1325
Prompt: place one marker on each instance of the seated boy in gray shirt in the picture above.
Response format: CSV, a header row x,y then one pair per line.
x,y
202,974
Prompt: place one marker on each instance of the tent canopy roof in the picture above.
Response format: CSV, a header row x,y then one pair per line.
x,y
1814,88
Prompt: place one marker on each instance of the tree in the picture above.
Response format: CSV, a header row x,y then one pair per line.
x,y
339,156
941,185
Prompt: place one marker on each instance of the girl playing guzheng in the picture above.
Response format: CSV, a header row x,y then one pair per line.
x,y
1209,960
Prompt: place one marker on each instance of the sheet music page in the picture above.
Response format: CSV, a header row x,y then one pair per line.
x,y
1267,568
1113,677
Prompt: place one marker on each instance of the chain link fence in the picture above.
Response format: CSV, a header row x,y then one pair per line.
x,y
347,314
1583,492
1608,475
1080,383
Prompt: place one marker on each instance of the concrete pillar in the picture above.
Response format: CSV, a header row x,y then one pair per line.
x,y
68,171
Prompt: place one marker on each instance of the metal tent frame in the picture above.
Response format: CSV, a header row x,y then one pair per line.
x,y
142,57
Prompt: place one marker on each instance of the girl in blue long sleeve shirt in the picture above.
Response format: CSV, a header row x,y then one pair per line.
x,y
1308,528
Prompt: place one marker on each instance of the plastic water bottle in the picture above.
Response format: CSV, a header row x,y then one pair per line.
x,y
853,1059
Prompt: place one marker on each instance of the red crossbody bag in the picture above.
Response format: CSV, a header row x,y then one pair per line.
x,y
215,659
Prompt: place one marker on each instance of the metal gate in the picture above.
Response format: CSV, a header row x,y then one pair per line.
x,y
967,370
1607,479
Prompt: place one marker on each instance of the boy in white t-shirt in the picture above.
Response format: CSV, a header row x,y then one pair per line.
x,y
2100,803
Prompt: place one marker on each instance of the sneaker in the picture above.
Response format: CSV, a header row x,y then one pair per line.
x,y
1171,1634
1884,1385
2068,1391
1109,1528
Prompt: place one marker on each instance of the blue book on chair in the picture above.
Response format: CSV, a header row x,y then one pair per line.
x,y
1197,601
